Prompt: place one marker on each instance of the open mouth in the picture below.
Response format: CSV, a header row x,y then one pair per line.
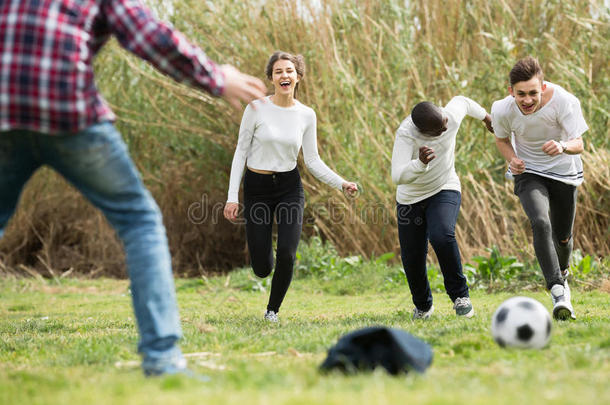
x,y
285,84
528,108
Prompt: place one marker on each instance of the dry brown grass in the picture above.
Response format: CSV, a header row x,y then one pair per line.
x,y
368,62
492,215
56,232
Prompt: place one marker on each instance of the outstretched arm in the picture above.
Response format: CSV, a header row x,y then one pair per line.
x,y
138,31
241,87
462,106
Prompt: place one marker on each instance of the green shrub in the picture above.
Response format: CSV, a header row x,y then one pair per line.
x,y
497,271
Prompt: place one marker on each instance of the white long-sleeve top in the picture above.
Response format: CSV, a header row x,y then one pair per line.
x,y
270,138
560,119
417,181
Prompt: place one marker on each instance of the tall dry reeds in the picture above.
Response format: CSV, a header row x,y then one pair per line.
x,y
56,232
368,63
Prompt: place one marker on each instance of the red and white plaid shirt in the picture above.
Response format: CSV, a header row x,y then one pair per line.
x,y
46,53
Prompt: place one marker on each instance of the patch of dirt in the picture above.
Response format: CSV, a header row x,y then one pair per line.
x,y
605,287
92,290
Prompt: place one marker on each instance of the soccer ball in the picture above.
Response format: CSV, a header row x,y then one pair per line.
x,y
521,322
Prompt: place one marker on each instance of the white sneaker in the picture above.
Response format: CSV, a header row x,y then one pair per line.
x,y
418,314
463,307
562,308
271,316
566,290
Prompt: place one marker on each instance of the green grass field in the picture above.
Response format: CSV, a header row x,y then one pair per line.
x,y
73,342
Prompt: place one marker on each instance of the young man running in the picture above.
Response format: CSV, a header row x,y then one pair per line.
x,y
52,114
428,198
547,124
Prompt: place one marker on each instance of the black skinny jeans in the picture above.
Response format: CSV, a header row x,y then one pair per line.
x,y
550,206
431,219
269,196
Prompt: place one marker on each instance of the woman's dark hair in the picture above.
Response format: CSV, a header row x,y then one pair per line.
x,y
297,60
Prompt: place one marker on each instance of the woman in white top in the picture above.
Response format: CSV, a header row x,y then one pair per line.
x,y
271,134
546,124
428,198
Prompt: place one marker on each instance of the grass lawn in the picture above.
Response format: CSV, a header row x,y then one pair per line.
x,y
73,342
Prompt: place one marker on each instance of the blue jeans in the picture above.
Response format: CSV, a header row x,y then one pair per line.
x,y
97,163
431,219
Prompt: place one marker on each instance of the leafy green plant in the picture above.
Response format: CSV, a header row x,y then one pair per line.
x,y
256,284
583,267
435,278
321,259
493,270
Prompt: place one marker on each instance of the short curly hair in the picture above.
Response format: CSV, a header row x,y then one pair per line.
x,y
426,116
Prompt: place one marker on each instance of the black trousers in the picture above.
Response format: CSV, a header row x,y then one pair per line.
x,y
269,197
432,219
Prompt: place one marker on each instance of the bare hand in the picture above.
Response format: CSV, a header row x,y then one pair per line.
x,y
426,154
350,189
231,209
552,148
516,165
241,87
487,121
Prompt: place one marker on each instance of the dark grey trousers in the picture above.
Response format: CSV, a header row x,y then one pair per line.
x,y
550,206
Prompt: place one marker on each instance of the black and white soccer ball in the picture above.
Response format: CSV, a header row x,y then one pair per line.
x,y
521,322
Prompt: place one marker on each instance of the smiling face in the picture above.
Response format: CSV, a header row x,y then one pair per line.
x,y
284,77
528,94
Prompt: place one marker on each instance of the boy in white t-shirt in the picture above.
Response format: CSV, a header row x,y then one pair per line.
x,y
547,124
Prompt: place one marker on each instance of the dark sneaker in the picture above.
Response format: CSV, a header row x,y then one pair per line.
x,y
562,308
419,314
463,307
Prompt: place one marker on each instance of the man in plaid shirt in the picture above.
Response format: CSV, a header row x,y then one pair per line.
x,y
52,114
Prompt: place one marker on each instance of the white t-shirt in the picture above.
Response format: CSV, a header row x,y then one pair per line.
x,y
560,119
417,181
270,138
